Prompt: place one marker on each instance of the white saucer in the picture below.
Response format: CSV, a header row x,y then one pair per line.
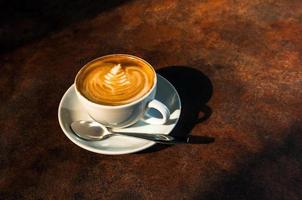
x,y
71,110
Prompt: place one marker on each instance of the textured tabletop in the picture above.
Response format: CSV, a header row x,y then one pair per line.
x,y
237,68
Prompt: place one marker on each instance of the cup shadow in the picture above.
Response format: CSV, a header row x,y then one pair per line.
x,y
195,90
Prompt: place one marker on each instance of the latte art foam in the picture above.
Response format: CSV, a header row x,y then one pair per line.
x,y
116,84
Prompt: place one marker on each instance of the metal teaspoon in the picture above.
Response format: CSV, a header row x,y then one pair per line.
x,y
94,131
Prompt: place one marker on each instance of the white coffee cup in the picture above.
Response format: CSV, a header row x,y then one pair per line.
x,y
126,114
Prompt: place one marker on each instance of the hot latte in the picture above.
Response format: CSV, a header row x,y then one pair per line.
x,y
115,79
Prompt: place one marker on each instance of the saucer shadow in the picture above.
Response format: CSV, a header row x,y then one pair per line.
x,y
195,90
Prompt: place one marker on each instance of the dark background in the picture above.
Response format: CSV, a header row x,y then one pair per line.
x,y
22,22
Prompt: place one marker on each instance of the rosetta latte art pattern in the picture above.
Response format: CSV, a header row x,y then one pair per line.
x,y
115,84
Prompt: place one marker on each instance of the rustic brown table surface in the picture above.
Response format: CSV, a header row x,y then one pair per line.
x,y
236,65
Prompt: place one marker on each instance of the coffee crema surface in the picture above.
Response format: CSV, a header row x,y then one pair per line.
x,y
115,80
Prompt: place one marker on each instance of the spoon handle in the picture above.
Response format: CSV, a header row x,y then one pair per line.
x,y
158,138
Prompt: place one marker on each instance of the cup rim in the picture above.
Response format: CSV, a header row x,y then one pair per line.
x,y
116,106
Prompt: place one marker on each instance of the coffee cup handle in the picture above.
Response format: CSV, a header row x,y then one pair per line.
x,y
160,107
